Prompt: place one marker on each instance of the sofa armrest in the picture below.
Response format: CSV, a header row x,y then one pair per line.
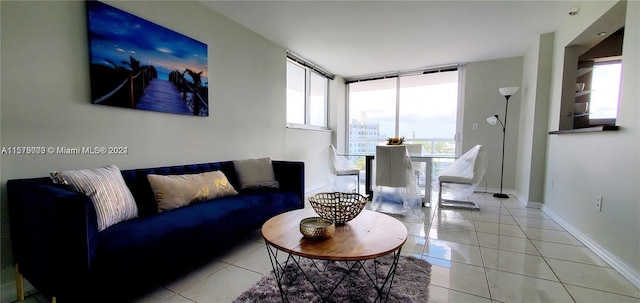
x,y
54,233
290,176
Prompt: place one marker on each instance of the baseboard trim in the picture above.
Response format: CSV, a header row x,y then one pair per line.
x,y
616,263
526,203
534,204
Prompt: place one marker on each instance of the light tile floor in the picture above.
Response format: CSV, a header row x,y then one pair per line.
x,y
501,253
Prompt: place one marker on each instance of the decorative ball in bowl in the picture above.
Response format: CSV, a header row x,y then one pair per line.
x,y
338,207
317,228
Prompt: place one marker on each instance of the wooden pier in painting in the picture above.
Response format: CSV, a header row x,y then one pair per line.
x,y
162,95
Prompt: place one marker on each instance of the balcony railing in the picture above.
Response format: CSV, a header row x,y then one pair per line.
x,y
433,147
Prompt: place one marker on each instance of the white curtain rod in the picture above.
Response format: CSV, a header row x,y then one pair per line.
x,y
309,64
425,70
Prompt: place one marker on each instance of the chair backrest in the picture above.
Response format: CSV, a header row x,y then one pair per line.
x,y
339,163
471,166
333,155
480,162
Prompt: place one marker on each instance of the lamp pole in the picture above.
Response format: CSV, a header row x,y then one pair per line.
x,y
504,132
507,92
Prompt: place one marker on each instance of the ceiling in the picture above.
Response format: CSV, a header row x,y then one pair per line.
x,y
358,38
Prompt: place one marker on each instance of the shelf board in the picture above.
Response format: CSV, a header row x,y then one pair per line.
x,y
584,70
582,93
593,129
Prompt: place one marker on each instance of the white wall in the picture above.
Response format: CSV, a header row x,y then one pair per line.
x,y
583,166
46,99
532,139
482,100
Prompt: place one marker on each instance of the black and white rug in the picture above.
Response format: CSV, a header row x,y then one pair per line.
x,y
410,283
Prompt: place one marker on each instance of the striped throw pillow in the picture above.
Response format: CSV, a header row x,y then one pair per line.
x,y
106,188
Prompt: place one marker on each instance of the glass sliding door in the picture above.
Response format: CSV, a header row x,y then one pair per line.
x,y
372,114
428,106
421,108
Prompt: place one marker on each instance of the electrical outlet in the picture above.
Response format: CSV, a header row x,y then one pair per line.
x,y
475,125
599,203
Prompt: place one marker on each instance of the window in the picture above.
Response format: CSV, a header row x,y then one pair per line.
x,y
296,91
307,95
605,86
421,108
372,107
317,113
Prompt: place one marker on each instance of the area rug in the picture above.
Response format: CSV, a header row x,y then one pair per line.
x,y
410,283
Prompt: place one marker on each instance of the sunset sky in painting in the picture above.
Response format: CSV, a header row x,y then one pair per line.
x,y
116,35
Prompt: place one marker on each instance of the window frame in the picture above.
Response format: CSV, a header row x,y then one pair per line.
x,y
398,78
307,99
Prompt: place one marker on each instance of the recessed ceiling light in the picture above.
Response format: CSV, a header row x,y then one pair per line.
x,y
601,33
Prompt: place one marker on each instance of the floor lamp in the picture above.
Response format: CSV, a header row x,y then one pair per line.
x,y
507,92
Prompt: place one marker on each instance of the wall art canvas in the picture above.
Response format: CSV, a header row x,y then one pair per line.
x,y
139,64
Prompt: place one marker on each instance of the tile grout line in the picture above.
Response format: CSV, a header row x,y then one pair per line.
x,y
483,266
544,259
482,256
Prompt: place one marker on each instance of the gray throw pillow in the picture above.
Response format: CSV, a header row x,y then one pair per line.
x,y
255,173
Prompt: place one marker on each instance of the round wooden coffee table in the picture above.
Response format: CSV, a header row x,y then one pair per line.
x,y
367,237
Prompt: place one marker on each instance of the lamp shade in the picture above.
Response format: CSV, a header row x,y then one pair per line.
x,y
508,91
492,120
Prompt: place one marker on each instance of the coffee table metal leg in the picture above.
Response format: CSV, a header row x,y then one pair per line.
x,y
382,285
389,277
278,271
387,281
330,292
280,268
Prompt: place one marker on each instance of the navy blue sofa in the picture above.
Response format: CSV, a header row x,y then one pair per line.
x,y
58,249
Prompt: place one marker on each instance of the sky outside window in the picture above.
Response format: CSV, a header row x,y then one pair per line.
x,y
428,105
605,88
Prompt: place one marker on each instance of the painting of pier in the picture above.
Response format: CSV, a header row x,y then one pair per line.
x,y
138,64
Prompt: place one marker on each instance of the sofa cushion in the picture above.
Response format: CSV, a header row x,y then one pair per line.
x,y
106,189
202,229
255,173
175,191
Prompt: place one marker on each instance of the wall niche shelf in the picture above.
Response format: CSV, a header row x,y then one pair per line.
x,y
593,129
582,56
583,71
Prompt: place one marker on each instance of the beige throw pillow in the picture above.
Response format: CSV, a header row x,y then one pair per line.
x,y
254,173
106,188
173,191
